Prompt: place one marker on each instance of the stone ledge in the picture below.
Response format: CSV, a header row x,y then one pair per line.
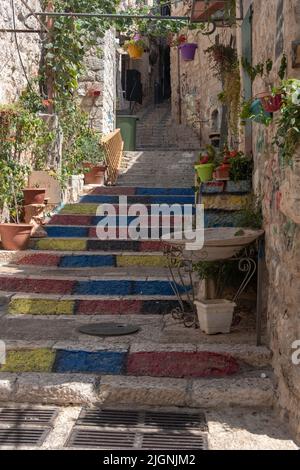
x,y
87,389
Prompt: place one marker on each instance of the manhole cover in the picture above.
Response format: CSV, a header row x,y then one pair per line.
x,y
108,329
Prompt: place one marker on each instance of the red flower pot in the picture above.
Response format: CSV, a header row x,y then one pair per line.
x,y
222,172
270,103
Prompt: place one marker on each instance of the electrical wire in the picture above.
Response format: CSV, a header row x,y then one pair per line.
x,y
17,45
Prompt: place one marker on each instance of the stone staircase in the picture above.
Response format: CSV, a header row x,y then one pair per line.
x,y
71,278
156,130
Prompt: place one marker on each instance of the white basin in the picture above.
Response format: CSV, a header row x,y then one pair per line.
x,y
219,243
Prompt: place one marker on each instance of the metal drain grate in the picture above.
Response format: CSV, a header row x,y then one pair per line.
x,y
22,436
125,429
101,439
121,418
44,416
176,421
173,441
111,418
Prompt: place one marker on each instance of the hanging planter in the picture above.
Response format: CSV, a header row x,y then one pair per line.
x,y
135,47
270,103
258,114
188,51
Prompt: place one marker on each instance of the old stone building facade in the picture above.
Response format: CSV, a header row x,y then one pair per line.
x,y
268,30
12,77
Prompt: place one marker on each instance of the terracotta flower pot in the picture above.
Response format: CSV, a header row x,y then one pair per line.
x,y
222,172
15,237
34,196
95,175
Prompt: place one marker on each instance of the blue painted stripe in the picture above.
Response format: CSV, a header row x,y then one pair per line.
x,y
213,219
139,199
65,231
124,288
82,261
100,362
164,192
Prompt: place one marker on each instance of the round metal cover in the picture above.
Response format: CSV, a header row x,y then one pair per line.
x,y
108,329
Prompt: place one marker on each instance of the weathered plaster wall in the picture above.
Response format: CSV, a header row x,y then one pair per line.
x,y
279,189
12,79
195,89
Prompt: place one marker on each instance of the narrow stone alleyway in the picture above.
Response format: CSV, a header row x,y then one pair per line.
x,y
71,278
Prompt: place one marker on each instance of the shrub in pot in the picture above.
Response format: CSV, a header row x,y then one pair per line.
x,y
14,234
240,174
94,161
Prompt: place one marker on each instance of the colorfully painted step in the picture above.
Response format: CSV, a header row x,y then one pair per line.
x,y
134,191
146,200
67,231
95,287
91,220
73,260
116,362
87,244
38,304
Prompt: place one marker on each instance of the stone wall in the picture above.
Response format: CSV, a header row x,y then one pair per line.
x,y
12,77
279,190
195,89
275,25
97,88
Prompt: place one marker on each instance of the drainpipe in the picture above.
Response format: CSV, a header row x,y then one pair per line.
x,y
179,87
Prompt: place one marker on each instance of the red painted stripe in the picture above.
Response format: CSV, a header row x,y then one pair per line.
x,y
37,286
181,364
112,191
109,307
40,260
151,245
70,220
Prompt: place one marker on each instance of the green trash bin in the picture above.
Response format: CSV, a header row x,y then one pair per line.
x,y
127,124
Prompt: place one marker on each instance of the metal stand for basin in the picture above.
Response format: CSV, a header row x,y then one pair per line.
x,y
181,269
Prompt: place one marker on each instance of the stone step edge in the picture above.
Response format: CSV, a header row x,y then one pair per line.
x,y
73,297
101,277
85,389
249,355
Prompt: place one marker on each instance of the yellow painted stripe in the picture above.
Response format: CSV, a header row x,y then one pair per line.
x,y
225,201
23,360
41,307
155,261
61,244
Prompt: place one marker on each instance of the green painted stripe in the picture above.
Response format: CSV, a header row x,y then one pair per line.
x,y
80,209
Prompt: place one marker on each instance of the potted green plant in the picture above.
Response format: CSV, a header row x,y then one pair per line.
x,y
135,47
205,167
14,234
240,174
287,136
93,158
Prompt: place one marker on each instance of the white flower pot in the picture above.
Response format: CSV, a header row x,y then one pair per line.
x,y
215,316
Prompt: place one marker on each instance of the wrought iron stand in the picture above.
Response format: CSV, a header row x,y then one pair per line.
x,y
180,264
